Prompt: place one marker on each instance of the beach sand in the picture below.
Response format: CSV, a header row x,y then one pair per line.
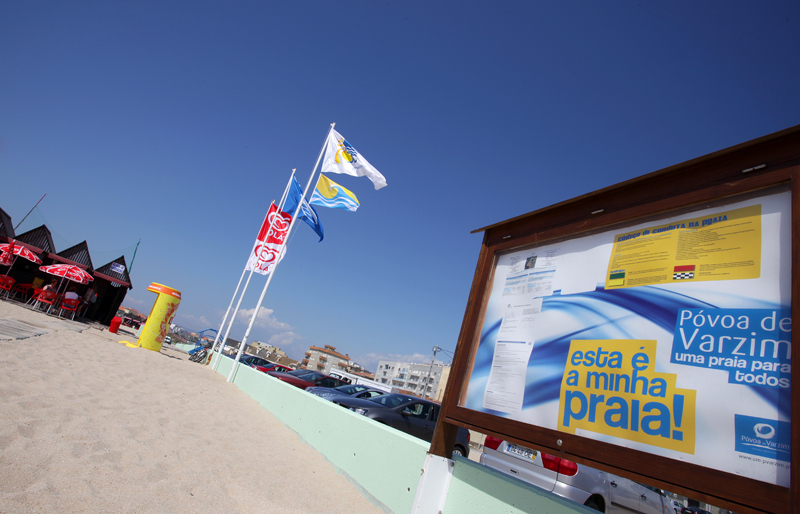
x,y
90,425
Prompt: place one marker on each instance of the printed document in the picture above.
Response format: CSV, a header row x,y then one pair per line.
x,y
506,388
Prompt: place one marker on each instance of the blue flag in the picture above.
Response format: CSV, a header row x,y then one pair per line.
x,y
307,212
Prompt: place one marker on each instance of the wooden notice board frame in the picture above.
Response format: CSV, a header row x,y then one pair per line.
x,y
763,163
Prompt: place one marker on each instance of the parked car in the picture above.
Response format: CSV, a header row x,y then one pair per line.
x,y
591,487
272,367
167,339
252,360
351,378
409,414
677,507
694,510
349,390
305,378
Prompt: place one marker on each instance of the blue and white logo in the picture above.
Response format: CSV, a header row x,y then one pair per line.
x,y
763,437
764,430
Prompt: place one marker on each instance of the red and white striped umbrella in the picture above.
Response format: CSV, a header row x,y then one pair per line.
x,y
6,259
21,251
69,272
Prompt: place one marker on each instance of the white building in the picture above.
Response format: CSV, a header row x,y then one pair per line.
x,y
420,379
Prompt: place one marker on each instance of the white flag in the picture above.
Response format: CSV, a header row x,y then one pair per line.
x,y
263,257
341,157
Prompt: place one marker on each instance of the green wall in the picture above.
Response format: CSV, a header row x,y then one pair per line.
x,y
185,347
224,365
386,464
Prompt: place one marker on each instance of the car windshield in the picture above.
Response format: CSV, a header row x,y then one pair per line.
x,y
351,389
392,400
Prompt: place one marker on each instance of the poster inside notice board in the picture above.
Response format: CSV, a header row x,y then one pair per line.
x,y
671,337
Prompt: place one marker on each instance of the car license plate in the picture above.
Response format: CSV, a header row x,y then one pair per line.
x,y
521,451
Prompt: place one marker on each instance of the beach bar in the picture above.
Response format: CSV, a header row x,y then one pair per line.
x,y
111,280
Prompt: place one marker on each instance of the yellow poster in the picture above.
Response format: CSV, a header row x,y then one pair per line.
x,y
611,387
723,246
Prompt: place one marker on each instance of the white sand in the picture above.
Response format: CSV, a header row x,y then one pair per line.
x,y
90,425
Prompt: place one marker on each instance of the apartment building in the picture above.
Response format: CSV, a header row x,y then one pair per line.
x,y
326,359
420,379
258,346
442,384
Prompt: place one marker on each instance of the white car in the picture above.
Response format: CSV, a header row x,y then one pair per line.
x,y
591,487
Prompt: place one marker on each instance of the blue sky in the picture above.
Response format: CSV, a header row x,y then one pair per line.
x,y
179,122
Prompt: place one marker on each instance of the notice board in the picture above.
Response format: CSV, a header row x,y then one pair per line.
x,y
646,329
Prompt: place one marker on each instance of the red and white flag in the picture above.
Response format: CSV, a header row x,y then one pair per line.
x,y
271,239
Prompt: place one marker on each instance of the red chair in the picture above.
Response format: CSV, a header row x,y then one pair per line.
x,y
48,297
69,305
35,296
22,288
6,284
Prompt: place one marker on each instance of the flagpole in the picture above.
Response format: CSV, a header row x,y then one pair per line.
x,y
297,212
230,321
130,266
233,298
233,315
30,211
319,158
